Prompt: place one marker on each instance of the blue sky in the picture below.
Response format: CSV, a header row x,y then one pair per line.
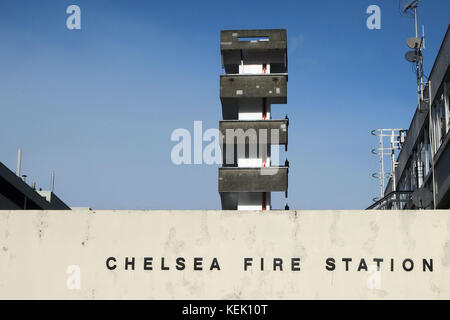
x,y
98,105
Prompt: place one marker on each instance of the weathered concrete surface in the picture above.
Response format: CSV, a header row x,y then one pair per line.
x,y
37,247
271,86
240,131
239,179
273,51
229,39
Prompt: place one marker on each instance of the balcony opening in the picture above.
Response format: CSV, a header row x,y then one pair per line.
x,y
252,39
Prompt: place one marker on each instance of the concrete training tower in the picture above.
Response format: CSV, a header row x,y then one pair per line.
x,y
255,63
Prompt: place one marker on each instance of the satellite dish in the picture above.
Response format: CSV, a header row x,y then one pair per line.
x,y
405,6
422,198
412,56
413,43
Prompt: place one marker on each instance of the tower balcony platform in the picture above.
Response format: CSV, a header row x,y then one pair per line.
x,y
241,131
235,87
268,179
261,46
271,86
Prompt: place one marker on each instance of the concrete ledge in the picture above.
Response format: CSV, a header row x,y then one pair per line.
x,y
254,86
240,130
230,39
234,49
269,179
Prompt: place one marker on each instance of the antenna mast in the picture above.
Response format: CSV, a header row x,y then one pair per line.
x,y
415,56
396,139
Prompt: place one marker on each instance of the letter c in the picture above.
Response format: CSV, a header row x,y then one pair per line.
x,y
108,265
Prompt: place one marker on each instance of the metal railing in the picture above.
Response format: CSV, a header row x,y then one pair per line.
x,y
395,200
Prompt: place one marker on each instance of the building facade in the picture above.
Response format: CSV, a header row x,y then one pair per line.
x,y
423,164
16,194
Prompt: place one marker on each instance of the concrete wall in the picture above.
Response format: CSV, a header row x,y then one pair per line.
x,y
43,254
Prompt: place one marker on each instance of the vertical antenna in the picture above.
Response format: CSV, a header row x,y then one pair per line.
x,y
19,162
52,186
415,16
423,36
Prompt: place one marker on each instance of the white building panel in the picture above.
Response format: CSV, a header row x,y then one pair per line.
x,y
254,69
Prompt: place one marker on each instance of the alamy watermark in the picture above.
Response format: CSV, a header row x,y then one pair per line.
x,y
236,143
373,22
374,279
73,281
74,20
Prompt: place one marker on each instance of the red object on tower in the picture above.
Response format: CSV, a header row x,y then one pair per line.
x,y
264,201
264,108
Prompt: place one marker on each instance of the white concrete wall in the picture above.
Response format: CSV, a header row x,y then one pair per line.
x,y
41,252
253,69
252,109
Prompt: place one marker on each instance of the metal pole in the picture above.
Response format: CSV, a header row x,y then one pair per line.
x,y
52,186
382,164
393,161
415,20
394,182
417,62
433,148
19,162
